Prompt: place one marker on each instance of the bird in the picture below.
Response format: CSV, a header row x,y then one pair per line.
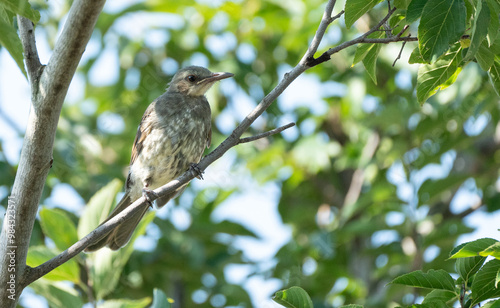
x,y
171,138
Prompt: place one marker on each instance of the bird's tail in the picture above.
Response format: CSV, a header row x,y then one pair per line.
x,y
119,236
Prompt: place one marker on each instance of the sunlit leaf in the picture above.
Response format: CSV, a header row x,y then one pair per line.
x,y
127,303
21,7
493,250
362,50
59,227
11,42
59,295
433,279
432,77
160,300
472,249
492,304
294,297
108,264
354,9
67,271
98,207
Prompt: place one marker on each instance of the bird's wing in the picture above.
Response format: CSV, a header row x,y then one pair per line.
x,y
209,136
144,129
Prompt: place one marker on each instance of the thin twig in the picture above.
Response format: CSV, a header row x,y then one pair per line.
x,y
266,134
400,52
318,37
311,62
326,20
358,177
27,35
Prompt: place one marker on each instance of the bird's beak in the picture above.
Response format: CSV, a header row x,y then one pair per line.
x,y
217,76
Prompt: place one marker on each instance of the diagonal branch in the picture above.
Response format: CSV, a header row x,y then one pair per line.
x,y
231,141
266,134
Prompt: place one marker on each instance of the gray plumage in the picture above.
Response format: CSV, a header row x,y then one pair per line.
x,y
172,135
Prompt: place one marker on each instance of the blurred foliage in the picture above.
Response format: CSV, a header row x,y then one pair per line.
x,y
367,179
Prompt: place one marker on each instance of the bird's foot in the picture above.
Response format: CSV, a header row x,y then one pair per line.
x,y
199,173
150,196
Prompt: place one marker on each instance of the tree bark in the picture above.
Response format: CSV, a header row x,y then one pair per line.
x,y
48,87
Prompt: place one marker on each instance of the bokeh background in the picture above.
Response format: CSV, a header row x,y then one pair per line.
x,y
369,185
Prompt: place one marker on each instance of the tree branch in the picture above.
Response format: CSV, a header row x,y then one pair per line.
x,y
358,177
27,35
229,142
311,61
266,134
48,91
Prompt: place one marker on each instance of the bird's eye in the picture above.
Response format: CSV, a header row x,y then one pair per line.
x,y
191,78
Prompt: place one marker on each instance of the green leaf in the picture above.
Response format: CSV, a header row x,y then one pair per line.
x,y
432,77
160,300
354,9
467,267
493,250
497,279
494,26
479,29
414,10
108,264
431,304
67,271
58,226
99,207
416,57
352,306
483,286
59,295
492,304
370,62
442,23
127,303
471,249
401,4
494,74
362,50
440,295
433,279
368,53
294,297
21,7
11,42
485,57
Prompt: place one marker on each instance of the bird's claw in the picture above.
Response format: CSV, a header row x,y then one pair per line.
x,y
150,196
199,173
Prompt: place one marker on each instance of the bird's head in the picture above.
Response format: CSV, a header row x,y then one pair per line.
x,y
195,80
